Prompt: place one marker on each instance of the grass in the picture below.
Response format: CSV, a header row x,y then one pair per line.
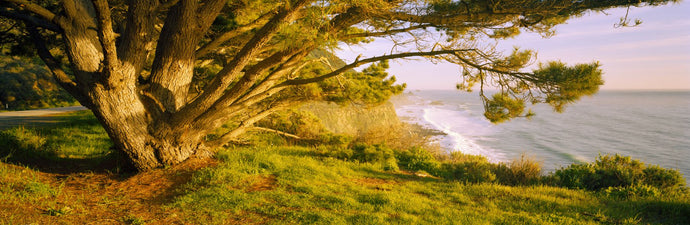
x,y
280,184
77,140
289,185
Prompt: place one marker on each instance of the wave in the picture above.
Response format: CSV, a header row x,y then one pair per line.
x,y
456,125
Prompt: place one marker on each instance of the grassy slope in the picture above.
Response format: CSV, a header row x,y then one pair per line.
x,y
280,185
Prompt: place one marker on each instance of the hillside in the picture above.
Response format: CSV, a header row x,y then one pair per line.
x,y
70,177
27,84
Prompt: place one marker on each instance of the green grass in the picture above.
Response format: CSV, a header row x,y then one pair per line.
x,y
76,139
273,183
290,185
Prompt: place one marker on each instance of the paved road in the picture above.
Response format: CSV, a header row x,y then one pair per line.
x,y
33,117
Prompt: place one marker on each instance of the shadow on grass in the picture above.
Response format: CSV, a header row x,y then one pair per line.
x,y
76,142
653,211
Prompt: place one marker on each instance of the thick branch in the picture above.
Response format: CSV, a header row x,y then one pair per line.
x,y
138,34
519,75
209,10
231,34
34,21
368,60
246,124
224,78
386,32
173,65
251,76
277,132
60,76
34,8
106,36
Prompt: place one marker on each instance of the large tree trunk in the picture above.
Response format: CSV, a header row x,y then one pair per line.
x,y
137,121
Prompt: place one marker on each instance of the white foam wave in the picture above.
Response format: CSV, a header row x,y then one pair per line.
x,y
458,126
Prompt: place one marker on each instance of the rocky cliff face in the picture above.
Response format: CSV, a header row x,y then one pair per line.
x,y
353,119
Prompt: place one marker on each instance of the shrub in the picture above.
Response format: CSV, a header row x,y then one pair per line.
x,y
376,154
371,153
616,171
523,171
663,178
417,159
470,171
458,157
632,192
335,152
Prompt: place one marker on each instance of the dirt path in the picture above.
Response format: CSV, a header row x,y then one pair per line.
x,y
33,117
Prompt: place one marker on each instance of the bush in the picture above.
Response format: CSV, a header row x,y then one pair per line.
x,y
335,152
371,153
376,154
663,178
417,159
632,192
616,171
523,171
471,171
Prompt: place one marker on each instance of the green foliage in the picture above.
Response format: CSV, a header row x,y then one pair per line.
x,y
572,82
26,84
299,185
418,159
662,178
297,122
372,85
22,144
298,188
523,171
634,191
77,137
471,171
375,153
363,153
617,171
502,107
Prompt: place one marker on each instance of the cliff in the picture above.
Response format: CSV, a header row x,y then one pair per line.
x,y
353,119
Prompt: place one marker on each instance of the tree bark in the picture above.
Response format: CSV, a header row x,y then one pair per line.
x,y
131,116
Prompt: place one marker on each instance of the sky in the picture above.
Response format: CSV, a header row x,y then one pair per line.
x,y
654,55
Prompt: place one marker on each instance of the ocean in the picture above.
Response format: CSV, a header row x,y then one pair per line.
x,y
652,126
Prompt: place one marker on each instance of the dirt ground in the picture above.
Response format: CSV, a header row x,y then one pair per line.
x,y
105,198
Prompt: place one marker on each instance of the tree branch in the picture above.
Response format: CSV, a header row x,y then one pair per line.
x,y
520,75
277,132
107,37
34,21
251,75
34,8
386,32
56,68
229,73
365,61
166,4
231,34
209,10
248,123
274,76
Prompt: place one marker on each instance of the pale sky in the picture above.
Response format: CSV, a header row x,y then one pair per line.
x,y
654,55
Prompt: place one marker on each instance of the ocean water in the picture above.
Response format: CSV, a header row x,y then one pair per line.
x,y
652,126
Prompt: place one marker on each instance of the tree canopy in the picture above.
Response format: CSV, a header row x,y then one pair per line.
x,y
162,76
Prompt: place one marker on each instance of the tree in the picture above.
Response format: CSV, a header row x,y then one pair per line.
x,y
163,77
